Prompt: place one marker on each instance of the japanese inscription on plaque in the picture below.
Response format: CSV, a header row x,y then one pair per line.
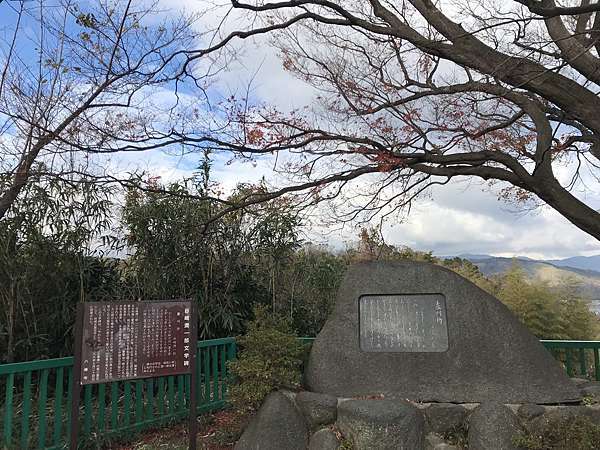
x,y
403,323
135,340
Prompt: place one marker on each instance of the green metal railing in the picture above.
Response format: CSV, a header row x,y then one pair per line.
x,y
37,396
579,358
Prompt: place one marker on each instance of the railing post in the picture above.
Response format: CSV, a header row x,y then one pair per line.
x,y
223,377
101,421
150,399
569,362
181,406
127,403
206,373
70,401
171,393
582,362
114,405
161,396
8,410
231,354
26,410
215,372
58,399
139,404
42,399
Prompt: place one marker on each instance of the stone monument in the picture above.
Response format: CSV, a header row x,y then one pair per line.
x,y
412,354
421,332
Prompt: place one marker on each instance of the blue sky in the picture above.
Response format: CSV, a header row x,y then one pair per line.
x,y
464,217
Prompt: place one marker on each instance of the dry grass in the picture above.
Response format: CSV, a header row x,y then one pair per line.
x,y
176,436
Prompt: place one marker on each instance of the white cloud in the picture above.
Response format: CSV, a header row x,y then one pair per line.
x,y
473,221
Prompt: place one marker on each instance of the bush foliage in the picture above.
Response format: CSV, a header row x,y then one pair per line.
x,y
550,312
270,357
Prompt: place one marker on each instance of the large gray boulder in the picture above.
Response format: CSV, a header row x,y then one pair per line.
x,y
324,439
435,442
493,426
318,409
381,424
470,349
446,417
530,411
277,425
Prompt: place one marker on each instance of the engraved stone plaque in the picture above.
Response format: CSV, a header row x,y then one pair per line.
x,y
135,340
403,323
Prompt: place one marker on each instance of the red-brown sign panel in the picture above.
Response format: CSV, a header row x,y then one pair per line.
x,y
122,341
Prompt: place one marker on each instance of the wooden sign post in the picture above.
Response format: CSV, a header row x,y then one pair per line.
x,y
123,341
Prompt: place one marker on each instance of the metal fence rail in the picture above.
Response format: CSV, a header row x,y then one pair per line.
x,y
579,358
37,394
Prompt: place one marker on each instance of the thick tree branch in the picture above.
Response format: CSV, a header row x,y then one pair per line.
x,y
545,8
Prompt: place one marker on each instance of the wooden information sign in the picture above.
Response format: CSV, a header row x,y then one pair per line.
x,y
130,340
124,341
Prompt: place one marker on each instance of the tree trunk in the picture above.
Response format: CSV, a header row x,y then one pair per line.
x,y
10,329
569,206
9,197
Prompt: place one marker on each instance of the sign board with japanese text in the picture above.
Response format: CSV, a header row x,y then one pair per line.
x,y
123,341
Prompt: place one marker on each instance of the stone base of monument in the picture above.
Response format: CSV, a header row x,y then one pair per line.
x,y
308,420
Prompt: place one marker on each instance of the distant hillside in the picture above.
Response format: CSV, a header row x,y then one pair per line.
x,y
589,279
579,262
575,262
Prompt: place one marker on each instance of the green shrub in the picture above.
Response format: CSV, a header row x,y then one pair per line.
x,y
576,433
270,357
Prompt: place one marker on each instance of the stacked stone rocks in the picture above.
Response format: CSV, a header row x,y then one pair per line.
x,y
312,421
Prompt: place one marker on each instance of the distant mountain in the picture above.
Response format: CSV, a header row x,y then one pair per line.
x,y
575,262
476,257
542,270
471,257
579,262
